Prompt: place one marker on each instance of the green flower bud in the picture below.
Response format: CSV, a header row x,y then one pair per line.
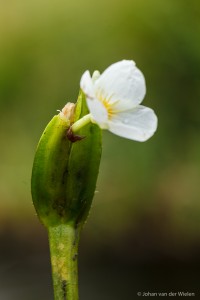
x,y
65,168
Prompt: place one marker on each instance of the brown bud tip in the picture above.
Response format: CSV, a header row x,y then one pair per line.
x,y
73,137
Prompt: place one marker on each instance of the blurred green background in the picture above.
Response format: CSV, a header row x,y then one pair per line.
x,y
143,233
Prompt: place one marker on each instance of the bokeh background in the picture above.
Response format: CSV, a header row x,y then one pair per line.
x,y
143,233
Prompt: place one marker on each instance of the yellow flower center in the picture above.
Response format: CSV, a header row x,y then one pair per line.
x,y
107,104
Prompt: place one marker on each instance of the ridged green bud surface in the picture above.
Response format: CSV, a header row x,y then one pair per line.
x,y
64,173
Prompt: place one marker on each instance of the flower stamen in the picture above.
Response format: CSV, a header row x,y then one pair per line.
x,y
110,106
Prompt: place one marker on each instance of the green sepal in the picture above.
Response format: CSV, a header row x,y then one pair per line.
x,y
64,173
83,166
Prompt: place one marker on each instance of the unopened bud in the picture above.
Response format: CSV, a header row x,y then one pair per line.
x,y
64,173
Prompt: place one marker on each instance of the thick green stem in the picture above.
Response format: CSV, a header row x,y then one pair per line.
x,y
63,240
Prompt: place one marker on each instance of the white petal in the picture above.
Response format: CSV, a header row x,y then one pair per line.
x,y
123,84
87,85
96,108
95,76
98,112
138,124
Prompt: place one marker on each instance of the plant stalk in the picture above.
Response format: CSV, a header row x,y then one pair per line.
x,y
81,123
63,240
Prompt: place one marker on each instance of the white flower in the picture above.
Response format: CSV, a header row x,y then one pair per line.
x,y
114,98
